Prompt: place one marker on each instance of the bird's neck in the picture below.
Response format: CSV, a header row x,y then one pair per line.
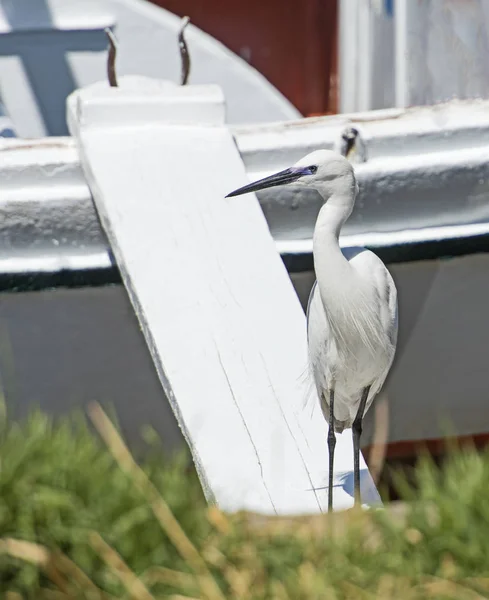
x,y
333,271
330,221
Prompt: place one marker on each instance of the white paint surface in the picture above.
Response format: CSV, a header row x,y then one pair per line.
x,y
231,358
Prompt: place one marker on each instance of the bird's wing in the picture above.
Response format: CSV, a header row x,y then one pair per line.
x,y
318,334
370,267
317,328
322,359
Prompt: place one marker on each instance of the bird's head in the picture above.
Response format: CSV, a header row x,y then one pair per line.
x,y
324,170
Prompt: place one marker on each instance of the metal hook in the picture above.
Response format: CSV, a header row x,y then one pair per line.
x,y
112,53
184,53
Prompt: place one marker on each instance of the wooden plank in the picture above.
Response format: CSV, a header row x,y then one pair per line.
x,y
232,360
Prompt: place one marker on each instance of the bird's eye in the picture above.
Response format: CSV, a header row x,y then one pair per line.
x,y
313,169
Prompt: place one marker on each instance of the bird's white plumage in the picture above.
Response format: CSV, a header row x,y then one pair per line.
x,y
354,349
352,311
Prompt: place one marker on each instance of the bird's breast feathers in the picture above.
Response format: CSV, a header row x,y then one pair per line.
x,y
352,342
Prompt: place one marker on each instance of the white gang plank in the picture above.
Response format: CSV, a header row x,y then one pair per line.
x,y
224,326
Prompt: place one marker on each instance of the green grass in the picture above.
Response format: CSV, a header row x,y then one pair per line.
x,y
79,519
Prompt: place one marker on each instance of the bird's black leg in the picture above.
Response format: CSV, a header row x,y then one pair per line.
x,y
357,432
331,447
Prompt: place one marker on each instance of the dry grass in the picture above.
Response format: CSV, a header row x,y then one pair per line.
x,y
433,547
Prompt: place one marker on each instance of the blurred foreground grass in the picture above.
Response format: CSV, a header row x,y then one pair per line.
x,y
80,519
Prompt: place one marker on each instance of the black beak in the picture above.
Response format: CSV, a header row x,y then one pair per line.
x,y
282,178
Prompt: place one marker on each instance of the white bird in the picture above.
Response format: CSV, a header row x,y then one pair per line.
x,y
352,311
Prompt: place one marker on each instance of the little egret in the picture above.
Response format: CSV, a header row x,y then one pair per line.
x,y
352,309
